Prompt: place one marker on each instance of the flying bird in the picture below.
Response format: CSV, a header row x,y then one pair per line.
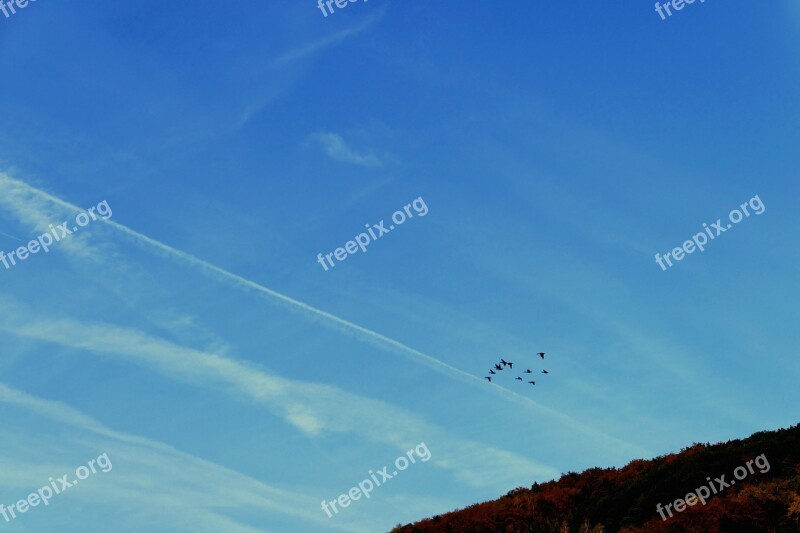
x,y
510,365
545,372
503,361
492,371
527,371
541,354
498,367
519,378
532,382
489,378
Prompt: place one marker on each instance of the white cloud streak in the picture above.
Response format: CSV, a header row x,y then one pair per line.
x,y
10,236
312,47
336,148
178,491
309,407
22,191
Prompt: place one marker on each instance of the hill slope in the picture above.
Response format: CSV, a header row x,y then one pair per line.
x,y
763,496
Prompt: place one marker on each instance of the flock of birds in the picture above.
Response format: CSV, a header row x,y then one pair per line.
x,y
503,364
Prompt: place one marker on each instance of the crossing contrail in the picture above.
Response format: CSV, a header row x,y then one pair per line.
x,y
343,325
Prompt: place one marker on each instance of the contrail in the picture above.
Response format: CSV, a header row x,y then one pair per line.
x,y
344,325
11,236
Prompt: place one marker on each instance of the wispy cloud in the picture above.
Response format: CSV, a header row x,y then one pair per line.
x,y
334,146
314,46
342,325
312,408
177,489
36,210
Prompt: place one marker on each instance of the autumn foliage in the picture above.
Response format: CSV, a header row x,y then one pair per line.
x,y
624,500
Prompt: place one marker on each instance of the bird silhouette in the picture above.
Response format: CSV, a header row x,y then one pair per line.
x,y
545,372
510,365
503,362
498,367
489,378
527,371
532,382
519,378
492,371
541,354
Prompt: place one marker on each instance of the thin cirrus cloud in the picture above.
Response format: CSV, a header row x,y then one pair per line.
x,y
309,407
28,201
334,147
38,211
324,42
177,489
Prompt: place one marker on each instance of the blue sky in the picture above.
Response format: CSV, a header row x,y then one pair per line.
x,y
235,384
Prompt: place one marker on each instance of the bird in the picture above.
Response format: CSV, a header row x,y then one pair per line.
x,y
489,378
503,362
545,372
510,365
519,378
492,371
541,354
527,371
532,382
498,367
